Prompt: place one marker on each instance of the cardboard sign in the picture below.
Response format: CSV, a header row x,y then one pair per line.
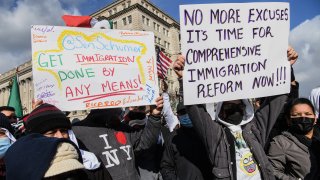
x,y
84,68
234,51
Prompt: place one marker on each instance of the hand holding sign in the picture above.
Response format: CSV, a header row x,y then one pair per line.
x,y
156,110
178,66
292,55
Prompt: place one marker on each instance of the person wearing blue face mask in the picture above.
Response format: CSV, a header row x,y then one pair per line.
x,y
6,140
184,155
183,117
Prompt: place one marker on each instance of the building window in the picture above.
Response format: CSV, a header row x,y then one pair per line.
x,y
129,3
115,10
158,27
142,2
130,19
148,21
144,19
166,44
123,5
165,31
159,41
154,26
124,21
155,39
115,25
110,12
147,6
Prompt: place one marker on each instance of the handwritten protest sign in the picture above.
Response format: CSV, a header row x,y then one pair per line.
x,y
83,68
234,51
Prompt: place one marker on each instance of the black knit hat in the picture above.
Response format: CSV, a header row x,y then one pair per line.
x,y
46,117
5,123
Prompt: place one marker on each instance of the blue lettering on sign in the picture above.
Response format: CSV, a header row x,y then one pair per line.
x,y
150,93
77,42
43,29
45,94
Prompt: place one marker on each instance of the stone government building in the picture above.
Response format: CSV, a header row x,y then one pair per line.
x,y
139,15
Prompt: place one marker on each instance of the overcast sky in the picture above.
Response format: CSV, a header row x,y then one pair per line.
x,y
17,16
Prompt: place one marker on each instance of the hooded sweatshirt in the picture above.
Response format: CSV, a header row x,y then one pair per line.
x,y
246,165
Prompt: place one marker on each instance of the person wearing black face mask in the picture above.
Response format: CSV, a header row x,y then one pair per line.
x,y
135,117
295,153
102,134
232,112
235,141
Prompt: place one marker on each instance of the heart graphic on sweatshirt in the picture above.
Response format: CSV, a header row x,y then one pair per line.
x,y
121,137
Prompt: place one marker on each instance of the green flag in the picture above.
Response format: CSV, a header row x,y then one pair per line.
x,y
14,98
111,24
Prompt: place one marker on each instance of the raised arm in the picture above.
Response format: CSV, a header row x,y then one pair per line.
x,y
149,135
269,111
209,131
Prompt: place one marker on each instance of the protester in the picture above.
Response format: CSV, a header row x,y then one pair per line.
x,y
135,117
6,140
184,156
147,160
114,145
295,153
37,157
50,121
9,112
235,141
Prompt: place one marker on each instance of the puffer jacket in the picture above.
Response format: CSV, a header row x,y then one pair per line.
x,y
291,159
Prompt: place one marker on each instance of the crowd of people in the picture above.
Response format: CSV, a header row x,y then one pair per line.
x,y
273,138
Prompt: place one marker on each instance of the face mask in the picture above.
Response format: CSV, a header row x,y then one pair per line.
x,y
4,145
302,125
185,121
234,113
136,115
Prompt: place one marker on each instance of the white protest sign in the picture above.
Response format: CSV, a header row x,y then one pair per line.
x,y
84,68
234,51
